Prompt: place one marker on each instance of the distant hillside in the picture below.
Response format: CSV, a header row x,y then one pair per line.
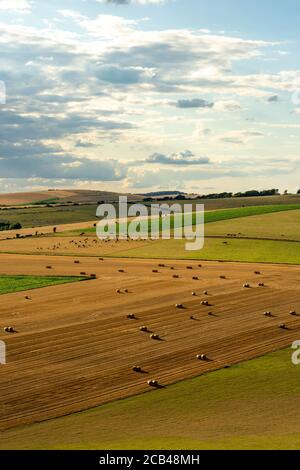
x,y
162,193
81,196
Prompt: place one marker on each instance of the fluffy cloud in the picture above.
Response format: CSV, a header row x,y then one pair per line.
x,y
15,5
182,158
240,137
193,103
57,166
273,99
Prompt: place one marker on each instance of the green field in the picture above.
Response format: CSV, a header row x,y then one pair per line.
x,y
10,284
40,216
209,217
214,249
254,405
282,226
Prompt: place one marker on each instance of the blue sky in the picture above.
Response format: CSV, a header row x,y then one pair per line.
x,y
139,95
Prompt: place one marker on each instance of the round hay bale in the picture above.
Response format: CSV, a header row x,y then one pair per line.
x,y
48,267
201,357
121,271
126,291
194,294
222,277
9,329
205,292
256,272
293,312
76,262
178,305
195,278
152,383
154,336
175,276
154,270
267,314
137,369
161,265
282,326
246,286
261,284
118,291
189,267
131,316
205,302
143,328
199,265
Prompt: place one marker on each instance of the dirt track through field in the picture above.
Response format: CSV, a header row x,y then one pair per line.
x,y
75,348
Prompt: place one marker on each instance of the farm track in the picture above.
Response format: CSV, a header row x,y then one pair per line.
x,y
75,348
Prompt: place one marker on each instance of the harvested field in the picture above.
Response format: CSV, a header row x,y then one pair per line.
x,y
87,246
73,352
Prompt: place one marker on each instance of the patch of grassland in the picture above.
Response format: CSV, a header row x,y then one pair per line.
x,y
9,284
209,217
254,405
283,225
40,216
263,251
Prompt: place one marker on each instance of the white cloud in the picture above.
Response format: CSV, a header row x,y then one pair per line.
x,y
15,5
240,137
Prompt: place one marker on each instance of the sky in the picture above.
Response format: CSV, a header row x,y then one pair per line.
x,y
144,95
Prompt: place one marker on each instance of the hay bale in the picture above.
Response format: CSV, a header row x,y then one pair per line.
x,y
199,265
175,276
205,302
293,312
161,265
195,278
194,294
126,291
9,329
154,270
246,286
76,262
137,369
222,277
83,273
257,272
131,316
121,271
178,305
261,284
152,383
268,314
118,291
205,292
282,326
144,328
48,267
189,267
154,336
201,357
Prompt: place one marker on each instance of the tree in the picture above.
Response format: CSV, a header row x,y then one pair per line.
x,y
16,226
